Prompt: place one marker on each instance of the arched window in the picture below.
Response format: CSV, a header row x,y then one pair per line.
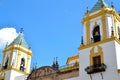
x,y
22,65
6,63
96,34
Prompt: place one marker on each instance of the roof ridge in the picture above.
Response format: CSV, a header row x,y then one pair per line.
x,y
99,4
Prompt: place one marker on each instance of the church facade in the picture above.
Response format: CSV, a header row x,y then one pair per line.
x,y
98,57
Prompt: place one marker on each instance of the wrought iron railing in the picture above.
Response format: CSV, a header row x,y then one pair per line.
x,y
69,67
96,68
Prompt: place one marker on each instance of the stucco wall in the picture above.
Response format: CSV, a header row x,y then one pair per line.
x,y
109,54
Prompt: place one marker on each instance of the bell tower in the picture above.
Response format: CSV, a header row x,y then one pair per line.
x,y
99,23
99,49
16,59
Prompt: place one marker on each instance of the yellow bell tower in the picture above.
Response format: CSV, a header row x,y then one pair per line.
x,y
100,23
99,49
16,59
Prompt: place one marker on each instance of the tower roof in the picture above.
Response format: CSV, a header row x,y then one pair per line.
x,y
20,41
98,5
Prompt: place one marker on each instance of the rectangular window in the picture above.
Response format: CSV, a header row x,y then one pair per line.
x,y
96,61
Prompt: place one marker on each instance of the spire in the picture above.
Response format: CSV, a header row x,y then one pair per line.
x,y
82,41
20,40
55,63
34,66
87,10
112,5
98,5
21,30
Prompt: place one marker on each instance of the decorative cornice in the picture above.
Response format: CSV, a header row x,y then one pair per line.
x,y
101,12
18,47
100,42
14,70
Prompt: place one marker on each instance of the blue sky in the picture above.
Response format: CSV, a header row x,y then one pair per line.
x,y
52,28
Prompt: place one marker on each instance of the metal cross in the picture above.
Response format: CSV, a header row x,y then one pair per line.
x,y
21,30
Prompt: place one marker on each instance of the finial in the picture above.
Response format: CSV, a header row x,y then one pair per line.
x,y
21,30
6,45
56,63
33,67
54,60
87,10
101,0
112,5
103,3
29,47
36,65
0,67
82,40
112,31
119,13
53,63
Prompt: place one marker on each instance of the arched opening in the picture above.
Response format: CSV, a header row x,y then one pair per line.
x,y
22,65
96,34
6,63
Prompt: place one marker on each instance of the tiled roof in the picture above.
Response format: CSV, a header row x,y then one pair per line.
x,y
98,5
20,41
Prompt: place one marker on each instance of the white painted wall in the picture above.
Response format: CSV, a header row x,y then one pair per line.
x,y
119,76
13,75
117,47
14,58
74,61
109,24
84,34
23,77
109,53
